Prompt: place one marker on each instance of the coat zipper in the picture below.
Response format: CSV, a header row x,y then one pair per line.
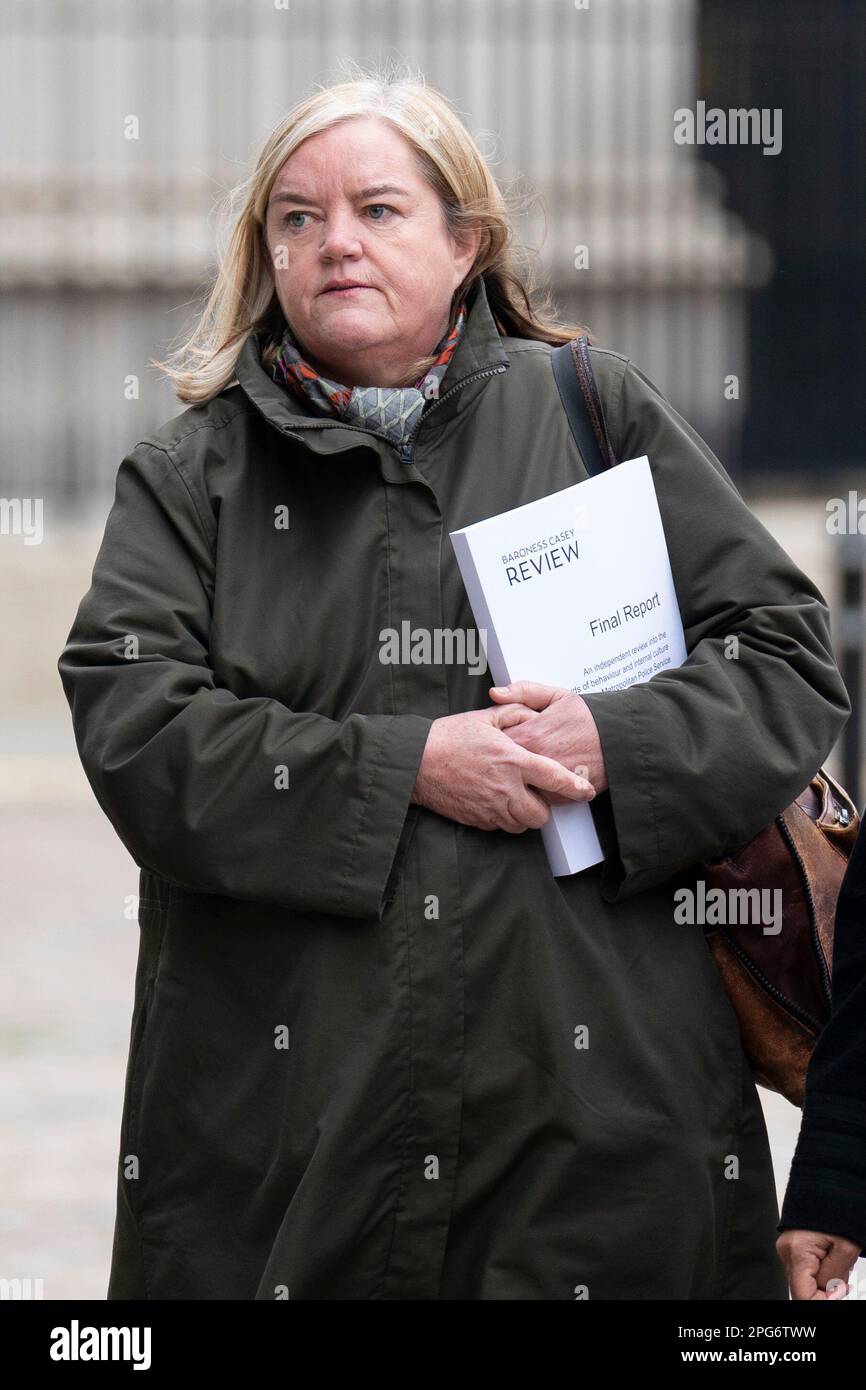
x,y
406,449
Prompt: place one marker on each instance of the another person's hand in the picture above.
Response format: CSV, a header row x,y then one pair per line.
x,y
561,727
816,1265
472,772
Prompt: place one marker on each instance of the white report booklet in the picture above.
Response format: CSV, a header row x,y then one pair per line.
x,y
575,590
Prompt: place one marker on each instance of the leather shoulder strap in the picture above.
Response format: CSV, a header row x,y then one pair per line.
x,y
578,390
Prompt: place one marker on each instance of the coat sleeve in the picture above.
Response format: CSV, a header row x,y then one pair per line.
x,y
700,758
187,772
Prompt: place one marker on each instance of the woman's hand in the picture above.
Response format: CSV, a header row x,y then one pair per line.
x,y
472,772
816,1265
562,728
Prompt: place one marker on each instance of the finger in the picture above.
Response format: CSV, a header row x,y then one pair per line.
x,y
510,716
552,798
802,1268
835,1268
835,1289
526,811
522,733
804,1286
550,776
529,693
556,798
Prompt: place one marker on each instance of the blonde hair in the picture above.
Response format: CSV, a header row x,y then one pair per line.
x,y
243,296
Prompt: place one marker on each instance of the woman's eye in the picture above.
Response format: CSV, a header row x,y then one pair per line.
x,y
295,220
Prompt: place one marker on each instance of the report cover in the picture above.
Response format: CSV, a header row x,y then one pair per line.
x,y
575,589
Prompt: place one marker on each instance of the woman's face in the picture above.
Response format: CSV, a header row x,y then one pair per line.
x,y
350,205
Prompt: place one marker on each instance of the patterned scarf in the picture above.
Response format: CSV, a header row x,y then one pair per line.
x,y
391,410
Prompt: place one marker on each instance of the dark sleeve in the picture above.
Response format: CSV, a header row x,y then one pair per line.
x,y
701,757
827,1184
184,769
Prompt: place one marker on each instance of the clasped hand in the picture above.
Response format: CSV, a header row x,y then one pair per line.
x,y
503,767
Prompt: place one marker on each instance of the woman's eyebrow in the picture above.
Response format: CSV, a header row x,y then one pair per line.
x,y
375,190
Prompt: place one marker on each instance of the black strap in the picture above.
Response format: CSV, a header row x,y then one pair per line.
x,y
572,370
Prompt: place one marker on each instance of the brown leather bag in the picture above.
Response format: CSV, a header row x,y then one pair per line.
x,y
778,982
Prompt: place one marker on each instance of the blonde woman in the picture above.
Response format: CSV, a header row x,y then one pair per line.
x,y
377,1050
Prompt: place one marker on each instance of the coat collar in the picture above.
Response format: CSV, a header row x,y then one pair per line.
x,y
480,348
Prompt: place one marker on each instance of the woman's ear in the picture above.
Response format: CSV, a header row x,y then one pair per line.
x,y
466,245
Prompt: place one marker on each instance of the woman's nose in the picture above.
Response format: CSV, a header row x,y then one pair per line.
x,y
340,236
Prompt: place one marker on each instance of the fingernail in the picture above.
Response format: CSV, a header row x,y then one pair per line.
x,y
499,689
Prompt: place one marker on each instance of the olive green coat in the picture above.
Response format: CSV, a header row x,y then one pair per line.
x,y
353,1070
